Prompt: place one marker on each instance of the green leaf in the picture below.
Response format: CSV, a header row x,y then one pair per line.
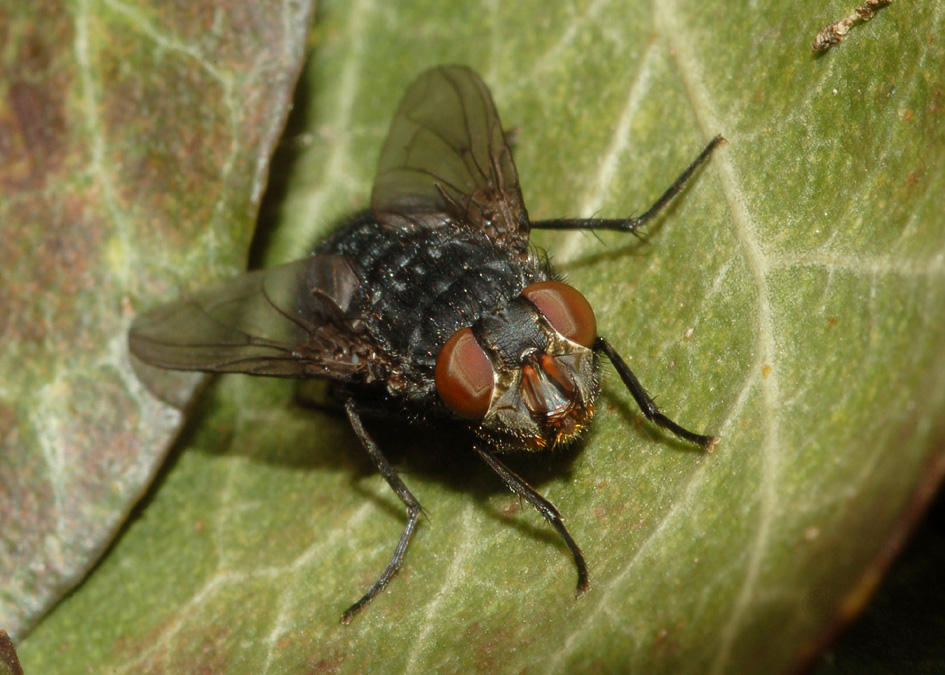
x,y
791,300
134,142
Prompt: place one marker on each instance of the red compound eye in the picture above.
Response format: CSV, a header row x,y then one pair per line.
x,y
463,375
566,309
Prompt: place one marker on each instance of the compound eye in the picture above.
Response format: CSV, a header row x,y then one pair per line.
x,y
464,377
566,309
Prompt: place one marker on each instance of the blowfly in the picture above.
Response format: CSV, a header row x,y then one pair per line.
x,y
430,305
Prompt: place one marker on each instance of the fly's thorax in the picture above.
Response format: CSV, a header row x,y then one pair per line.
x,y
419,283
544,383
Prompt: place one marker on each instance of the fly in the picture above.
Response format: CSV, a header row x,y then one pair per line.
x,y
428,306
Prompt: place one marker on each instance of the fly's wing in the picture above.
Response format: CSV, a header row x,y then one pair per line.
x,y
287,321
446,154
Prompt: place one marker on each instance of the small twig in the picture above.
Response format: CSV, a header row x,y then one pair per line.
x,y
835,32
9,663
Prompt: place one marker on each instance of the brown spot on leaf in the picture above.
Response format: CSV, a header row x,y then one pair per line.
x,y
510,508
49,261
33,89
330,664
665,645
32,137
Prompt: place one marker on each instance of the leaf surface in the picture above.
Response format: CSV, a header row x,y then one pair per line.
x,y
135,140
791,300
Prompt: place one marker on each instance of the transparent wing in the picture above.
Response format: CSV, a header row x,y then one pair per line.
x,y
446,153
287,321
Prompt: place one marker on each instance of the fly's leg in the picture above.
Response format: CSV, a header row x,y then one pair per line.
x,y
397,485
631,225
645,402
544,507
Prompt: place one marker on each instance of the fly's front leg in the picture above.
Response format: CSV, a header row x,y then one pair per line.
x,y
544,507
645,402
631,225
397,485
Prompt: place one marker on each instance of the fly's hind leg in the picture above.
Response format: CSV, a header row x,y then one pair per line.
x,y
633,225
397,485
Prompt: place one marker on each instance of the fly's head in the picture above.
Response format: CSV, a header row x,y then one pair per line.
x,y
527,373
